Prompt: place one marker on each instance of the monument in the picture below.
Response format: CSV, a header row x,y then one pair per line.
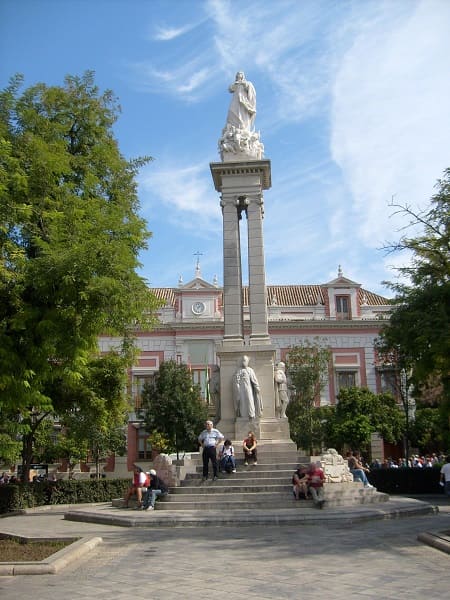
x,y
247,356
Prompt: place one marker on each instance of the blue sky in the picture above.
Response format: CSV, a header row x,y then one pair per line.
x,y
352,105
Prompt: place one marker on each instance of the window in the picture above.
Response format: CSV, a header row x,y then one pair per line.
x,y
346,379
342,308
139,382
200,377
388,382
144,447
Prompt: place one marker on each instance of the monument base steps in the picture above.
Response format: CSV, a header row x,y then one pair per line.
x,y
266,485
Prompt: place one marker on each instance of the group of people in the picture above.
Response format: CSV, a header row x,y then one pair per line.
x,y
416,461
308,482
147,487
210,439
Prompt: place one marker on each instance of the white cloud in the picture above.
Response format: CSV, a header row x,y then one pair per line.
x,y
184,193
165,34
390,125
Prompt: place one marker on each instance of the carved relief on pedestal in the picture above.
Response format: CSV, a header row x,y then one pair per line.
x,y
335,467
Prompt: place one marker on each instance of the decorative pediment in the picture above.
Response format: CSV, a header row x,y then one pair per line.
x,y
197,284
341,281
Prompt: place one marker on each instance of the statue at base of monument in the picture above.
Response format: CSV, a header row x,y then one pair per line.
x,y
214,390
281,390
247,395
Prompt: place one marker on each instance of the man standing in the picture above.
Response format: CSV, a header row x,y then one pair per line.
x,y
445,475
209,439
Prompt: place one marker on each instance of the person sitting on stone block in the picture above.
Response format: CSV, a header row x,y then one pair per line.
x,y
138,486
300,483
316,478
358,470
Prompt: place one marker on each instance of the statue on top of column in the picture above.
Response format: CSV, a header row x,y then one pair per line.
x,y
239,139
242,111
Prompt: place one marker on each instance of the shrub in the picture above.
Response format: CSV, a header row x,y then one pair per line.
x,y
16,497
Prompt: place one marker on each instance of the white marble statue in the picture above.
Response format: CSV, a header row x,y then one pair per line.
x,y
281,390
246,391
239,139
242,111
214,389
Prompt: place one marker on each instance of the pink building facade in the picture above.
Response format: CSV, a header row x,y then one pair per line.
x,y
340,315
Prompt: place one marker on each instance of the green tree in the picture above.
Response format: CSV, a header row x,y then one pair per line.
x,y
174,408
307,371
419,327
97,410
427,432
360,413
70,236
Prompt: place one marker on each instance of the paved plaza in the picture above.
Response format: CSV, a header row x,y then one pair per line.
x,y
336,561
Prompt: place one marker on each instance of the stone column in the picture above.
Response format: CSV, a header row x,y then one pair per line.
x,y
232,272
257,278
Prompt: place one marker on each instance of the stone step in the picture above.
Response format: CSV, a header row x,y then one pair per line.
x,y
232,487
251,468
261,501
209,488
232,481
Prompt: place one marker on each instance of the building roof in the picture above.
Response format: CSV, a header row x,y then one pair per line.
x,y
283,295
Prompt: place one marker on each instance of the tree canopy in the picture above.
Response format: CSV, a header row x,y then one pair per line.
x,y
307,371
359,413
174,408
420,324
419,329
70,237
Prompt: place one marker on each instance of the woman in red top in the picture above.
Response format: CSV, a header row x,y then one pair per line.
x,y
249,447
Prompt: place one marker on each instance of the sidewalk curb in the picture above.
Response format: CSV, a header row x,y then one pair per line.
x,y
438,539
54,563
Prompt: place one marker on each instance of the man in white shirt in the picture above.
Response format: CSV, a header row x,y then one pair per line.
x,y
209,440
445,475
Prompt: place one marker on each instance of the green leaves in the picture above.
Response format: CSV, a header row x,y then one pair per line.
x,y
174,408
360,412
70,236
307,374
420,324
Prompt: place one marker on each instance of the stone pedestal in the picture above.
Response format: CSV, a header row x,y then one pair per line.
x,y
262,362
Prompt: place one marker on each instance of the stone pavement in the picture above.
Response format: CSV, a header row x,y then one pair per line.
x,y
328,560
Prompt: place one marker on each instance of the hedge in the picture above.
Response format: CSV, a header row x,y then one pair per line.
x,y
15,497
407,480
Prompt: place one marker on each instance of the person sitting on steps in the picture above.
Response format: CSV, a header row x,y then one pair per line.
x,y
227,461
249,447
156,488
300,483
140,479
